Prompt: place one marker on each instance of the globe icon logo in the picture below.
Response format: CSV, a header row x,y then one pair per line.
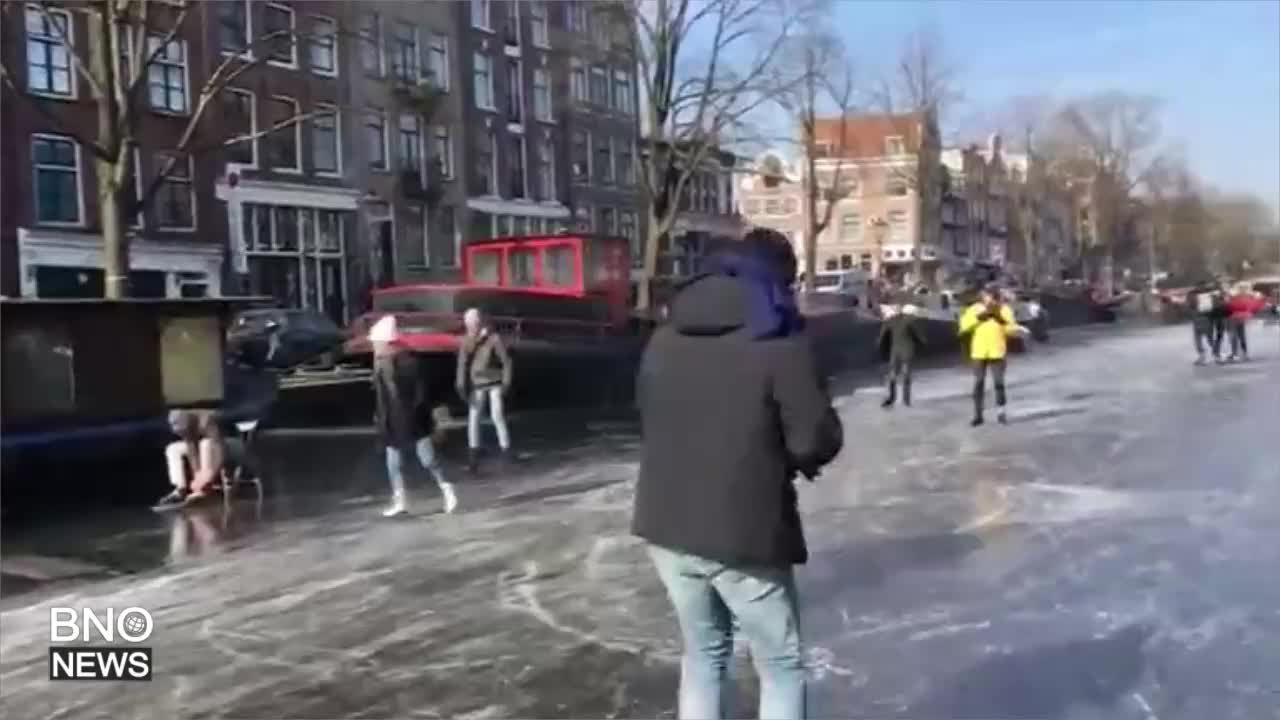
x,y
135,624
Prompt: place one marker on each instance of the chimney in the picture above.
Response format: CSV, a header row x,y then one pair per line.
x,y
993,144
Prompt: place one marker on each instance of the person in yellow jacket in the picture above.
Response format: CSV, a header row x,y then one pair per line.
x,y
986,325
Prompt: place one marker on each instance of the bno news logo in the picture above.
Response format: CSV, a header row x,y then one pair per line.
x,y
72,657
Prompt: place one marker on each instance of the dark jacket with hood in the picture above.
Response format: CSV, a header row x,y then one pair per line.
x,y
900,337
731,413
401,414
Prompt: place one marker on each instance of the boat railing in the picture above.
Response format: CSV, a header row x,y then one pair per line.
x,y
515,327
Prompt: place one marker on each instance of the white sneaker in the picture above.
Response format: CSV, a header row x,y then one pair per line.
x,y
398,507
450,497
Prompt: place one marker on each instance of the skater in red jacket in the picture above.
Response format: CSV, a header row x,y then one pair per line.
x,y
1241,307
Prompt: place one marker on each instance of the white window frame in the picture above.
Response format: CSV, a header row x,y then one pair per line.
x,y
485,9
456,239
494,180
543,112
247,54
548,194
297,138
73,82
35,185
514,6
442,131
587,176
578,18
442,82
253,123
312,41
386,147
157,62
418,127
379,42
415,54
611,177
524,165
191,182
538,8
477,60
293,36
579,81
337,140
608,89
516,91
625,108
894,141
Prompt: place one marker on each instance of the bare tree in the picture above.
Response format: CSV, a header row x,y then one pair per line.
x,y
704,67
825,88
126,39
924,81
1108,140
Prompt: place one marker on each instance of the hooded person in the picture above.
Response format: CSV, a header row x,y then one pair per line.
x,y
403,417
733,410
483,378
900,338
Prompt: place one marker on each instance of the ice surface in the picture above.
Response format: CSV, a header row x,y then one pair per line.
x,y
1111,553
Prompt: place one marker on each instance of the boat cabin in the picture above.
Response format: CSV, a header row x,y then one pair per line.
x,y
542,287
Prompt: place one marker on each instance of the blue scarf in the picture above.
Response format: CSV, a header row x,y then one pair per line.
x,y
771,304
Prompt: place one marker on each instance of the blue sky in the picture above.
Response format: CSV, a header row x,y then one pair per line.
x,y
1216,65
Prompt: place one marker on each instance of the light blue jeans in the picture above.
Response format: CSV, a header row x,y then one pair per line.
x,y
426,456
708,597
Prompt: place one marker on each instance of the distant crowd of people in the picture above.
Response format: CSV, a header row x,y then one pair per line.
x,y
1221,312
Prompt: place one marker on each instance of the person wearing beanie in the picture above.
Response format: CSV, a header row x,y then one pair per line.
x,y
733,411
483,378
402,416
899,339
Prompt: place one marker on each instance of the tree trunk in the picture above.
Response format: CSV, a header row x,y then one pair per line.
x,y
653,240
115,245
811,227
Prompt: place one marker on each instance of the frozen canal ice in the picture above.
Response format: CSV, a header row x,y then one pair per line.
x,y
1112,553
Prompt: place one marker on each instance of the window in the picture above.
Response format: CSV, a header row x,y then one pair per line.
x,y
515,91
791,206
599,86
483,80
48,61
410,148
557,265
280,26
175,200
375,124
447,230
864,261
133,185
442,150
846,262
773,206
480,14
850,227
608,222
538,23
578,16
371,43
622,91
604,160
898,226
578,81
542,95
486,169
233,26
547,170
601,27
895,186
323,46
240,117
57,179
581,156
628,228
167,76
413,237
511,31
286,228
517,182
438,61
626,169
893,145
520,264
283,142
403,50
831,264
326,155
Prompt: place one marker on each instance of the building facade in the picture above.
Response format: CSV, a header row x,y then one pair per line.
x,y
357,145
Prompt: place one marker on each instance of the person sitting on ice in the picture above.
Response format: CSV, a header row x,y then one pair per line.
x,y
195,460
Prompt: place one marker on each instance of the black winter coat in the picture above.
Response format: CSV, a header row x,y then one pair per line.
x,y
900,338
401,415
728,423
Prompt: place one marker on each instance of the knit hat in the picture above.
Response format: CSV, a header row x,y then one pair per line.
x,y
385,330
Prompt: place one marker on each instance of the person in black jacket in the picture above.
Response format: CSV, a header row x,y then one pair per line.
x,y
733,410
899,338
402,416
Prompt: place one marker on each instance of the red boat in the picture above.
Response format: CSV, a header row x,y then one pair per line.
x,y
560,301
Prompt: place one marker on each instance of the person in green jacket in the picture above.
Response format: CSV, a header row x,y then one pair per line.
x,y
899,339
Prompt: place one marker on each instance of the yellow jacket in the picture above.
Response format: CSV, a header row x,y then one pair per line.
x,y
987,337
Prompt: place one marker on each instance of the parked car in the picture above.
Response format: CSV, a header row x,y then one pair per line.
x,y
283,339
